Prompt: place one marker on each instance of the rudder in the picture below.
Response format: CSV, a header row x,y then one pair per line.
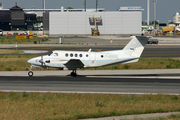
x,y
136,46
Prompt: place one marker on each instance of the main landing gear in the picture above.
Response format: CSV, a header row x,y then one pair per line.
x,y
73,73
30,73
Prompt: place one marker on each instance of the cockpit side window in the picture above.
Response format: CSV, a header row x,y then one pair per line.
x,y
55,54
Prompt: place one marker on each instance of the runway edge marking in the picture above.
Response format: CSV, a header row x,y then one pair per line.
x,y
82,92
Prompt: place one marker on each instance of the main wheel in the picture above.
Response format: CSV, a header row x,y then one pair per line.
x,y
98,33
30,73
73,74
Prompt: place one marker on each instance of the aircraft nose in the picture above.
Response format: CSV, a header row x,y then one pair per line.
x,y
30,61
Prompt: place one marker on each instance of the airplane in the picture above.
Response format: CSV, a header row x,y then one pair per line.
x,y
72,60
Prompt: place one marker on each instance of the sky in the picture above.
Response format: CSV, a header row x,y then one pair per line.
x,y
165,9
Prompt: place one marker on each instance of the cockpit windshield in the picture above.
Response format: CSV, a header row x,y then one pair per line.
x,y
50,53
53,54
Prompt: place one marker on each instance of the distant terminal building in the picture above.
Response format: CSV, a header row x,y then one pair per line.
x,y
128,20
176,18
39,13
15,19
1,6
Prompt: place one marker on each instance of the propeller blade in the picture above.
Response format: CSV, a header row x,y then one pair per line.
x,y
41,61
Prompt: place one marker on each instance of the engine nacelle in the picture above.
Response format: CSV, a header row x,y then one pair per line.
x,y
38,67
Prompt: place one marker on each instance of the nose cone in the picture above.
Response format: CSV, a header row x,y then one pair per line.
x,y
34,61
30,61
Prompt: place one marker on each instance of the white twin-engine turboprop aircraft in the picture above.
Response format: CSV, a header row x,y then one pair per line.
x,y
81,59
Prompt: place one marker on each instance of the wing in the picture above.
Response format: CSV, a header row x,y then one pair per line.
x,y
74,64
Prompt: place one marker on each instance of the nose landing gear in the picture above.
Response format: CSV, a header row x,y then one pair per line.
x,y
30,73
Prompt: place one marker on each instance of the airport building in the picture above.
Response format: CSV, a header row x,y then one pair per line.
x,y
128,20
176,18
15,19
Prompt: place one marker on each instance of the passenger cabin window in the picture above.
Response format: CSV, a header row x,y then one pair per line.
x,y
86,55
102,56
80,55
76,55
71,55
66,54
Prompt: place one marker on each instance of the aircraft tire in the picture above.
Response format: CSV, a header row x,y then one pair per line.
x,y
30,73
73,74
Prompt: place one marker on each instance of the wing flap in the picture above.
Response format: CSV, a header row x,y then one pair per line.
x,y
74,64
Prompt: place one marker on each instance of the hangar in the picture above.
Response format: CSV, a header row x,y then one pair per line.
x,y
127,20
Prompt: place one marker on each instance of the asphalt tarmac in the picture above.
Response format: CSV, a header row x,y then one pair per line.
x,y
167,47
91,85
136,82
114,82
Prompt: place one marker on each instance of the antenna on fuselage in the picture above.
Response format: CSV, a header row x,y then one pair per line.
x,y
89,50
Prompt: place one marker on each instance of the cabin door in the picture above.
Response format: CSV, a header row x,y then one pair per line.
x,y
92,59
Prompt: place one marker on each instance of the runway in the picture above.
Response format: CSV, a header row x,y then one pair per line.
x,y
137,84
167,47
112,81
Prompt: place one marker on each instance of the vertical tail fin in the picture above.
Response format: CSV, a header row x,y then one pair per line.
x,y
136,46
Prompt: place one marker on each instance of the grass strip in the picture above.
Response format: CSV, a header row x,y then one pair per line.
x,y
19,63
10,51
55,106
13,40
170,117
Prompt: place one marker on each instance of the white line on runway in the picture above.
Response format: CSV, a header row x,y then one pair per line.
x,y
159,77
83,92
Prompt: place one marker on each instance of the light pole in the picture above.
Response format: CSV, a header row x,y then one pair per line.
x,y
148,12
85,5
44,4
154,13
96,4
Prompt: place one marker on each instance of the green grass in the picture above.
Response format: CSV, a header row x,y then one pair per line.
x,y
77,106
145,63
10,51
13,40
170,117
19,63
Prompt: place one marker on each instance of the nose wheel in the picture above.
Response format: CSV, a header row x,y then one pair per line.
x,y
73,73
30,73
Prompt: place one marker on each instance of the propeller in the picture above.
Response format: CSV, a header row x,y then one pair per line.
x,y
41,61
